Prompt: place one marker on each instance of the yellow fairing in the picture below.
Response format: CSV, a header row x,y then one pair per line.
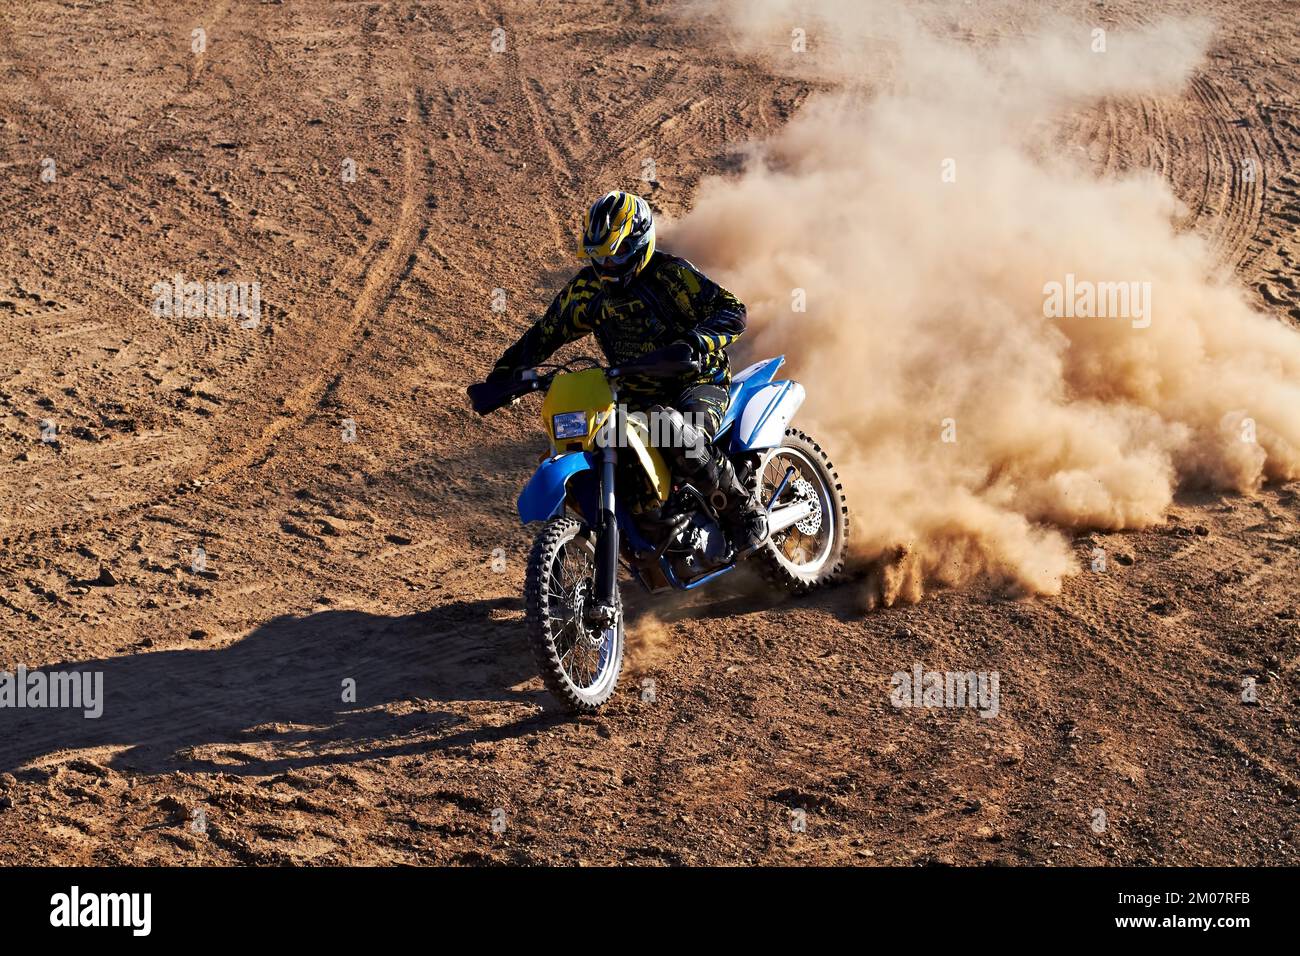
x,y
638,439
585,391
588,391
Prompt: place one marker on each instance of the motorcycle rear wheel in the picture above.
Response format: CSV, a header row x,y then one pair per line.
x,y
580,668
808,556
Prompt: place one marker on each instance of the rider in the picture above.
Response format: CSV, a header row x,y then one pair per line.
x,y
636,301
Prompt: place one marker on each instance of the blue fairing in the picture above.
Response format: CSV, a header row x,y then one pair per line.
x,y
543,496
745,384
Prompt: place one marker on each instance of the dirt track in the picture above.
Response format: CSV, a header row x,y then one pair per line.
x,y
373,559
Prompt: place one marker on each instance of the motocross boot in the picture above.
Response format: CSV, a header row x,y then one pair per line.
x,y
744,519
713,474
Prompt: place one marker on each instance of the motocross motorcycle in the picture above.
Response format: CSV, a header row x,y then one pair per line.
x,y
606,496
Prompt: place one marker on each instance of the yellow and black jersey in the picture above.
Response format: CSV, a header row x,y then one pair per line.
x,y
668,301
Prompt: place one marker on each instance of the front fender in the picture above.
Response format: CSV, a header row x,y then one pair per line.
x,y
543,496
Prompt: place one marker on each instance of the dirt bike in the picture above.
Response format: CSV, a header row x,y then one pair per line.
x,y
605,493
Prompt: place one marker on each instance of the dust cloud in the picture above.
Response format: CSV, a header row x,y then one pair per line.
x,y
923,204
648,644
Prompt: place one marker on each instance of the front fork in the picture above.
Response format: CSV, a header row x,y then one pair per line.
x,y
604,610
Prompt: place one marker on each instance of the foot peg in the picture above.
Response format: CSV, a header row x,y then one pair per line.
x,y
748,530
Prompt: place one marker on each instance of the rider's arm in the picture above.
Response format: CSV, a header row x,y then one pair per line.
x,y
719,317
565,321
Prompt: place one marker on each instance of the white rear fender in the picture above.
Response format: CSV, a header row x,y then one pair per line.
x,y
766,415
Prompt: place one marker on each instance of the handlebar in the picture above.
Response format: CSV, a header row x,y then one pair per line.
x,y
488,396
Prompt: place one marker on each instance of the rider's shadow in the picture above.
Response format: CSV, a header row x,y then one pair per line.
x,y
274,700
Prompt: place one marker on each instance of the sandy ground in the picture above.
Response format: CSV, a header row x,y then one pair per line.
x,y
224,737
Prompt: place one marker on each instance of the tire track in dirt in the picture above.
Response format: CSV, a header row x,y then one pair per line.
x,y
63,121
378,278
524,106
1235,158
379,283
1168,702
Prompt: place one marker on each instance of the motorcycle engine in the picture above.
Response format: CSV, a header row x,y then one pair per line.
x,y
701,546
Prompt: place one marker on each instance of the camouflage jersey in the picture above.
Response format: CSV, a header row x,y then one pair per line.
x,y
669,301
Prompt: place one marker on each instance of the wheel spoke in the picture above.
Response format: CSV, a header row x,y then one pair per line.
x,y
795,546
569,580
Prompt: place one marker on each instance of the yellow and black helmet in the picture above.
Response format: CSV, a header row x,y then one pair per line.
x,y
618,236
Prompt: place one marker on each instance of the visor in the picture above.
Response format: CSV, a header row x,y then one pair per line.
x,y
614,261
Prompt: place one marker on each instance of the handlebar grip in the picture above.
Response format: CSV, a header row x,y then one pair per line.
x,y
487,397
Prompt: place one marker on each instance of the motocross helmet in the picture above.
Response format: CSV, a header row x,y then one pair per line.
x,y
618,236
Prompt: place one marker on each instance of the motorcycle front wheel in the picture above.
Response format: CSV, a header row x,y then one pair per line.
x,y
580,667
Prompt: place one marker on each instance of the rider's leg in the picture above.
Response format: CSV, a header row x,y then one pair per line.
x,y
684,434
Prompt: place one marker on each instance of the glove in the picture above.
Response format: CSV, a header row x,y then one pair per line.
x,y
676,352
488,396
